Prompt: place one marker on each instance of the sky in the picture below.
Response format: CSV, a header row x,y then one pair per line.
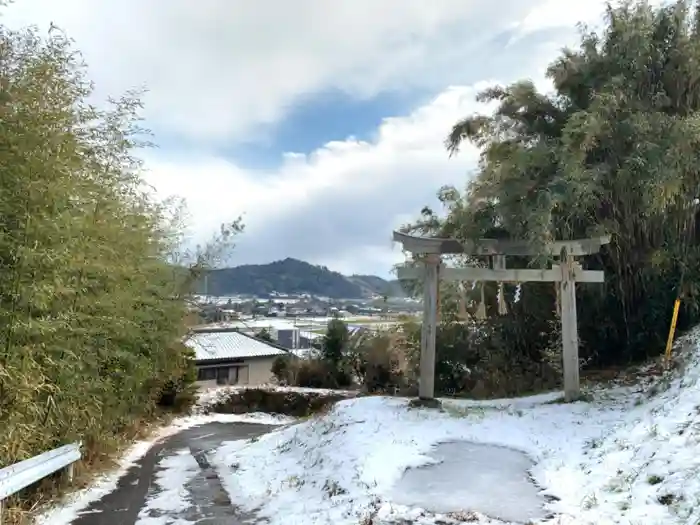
x,y
321,123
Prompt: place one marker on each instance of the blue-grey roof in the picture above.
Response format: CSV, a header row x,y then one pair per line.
x,y
229,345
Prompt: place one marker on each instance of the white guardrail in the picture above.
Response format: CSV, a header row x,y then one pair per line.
x,y
20,475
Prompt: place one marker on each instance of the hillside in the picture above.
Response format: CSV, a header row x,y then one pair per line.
x,y
374,284
625,455
292,276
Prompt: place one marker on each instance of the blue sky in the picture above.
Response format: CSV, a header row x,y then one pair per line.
x,y
314,120
335,115
308,125
322,123
317,118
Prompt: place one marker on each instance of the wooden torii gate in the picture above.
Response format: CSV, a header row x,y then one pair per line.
x,y
567,273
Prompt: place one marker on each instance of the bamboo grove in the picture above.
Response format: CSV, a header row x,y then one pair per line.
x,y
615,149
91,311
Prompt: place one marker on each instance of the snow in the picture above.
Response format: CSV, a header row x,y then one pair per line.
x,y
170,497
302,323
107,483
209,397
344,466
625,457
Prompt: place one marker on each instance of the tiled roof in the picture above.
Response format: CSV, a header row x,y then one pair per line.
x,y
229,345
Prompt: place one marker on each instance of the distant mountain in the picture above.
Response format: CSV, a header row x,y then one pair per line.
x,y
376,285
292,276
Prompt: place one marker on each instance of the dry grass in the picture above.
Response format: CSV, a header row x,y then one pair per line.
x,y
640,374
22,508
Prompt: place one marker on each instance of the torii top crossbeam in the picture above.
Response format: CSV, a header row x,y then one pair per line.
x,y
442,246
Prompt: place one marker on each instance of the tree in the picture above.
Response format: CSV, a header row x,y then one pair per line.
x,y
615,149
282,369
264,334
92,302
334,341
333,353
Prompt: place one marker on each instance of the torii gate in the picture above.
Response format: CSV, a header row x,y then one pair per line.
x,y
567,273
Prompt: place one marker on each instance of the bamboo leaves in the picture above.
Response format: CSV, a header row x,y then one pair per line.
x,y
616,147
91,309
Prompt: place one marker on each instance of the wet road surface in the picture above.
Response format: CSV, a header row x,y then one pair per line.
x,y
209,503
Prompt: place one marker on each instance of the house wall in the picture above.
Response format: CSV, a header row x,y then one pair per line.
x,y
255,371
260,370
287,337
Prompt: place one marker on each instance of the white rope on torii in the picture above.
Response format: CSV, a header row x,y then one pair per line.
x,y
566,273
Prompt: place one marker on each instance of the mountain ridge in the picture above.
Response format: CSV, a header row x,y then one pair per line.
x,y
293,276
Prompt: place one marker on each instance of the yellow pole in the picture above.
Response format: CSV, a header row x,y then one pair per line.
x,y
437,296
672,331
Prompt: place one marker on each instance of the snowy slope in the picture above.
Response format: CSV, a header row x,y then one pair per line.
x,y
626,457
648,466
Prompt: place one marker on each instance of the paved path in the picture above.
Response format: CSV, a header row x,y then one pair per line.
x,y
210,504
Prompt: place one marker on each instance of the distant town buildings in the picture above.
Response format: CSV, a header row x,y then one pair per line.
x,y
296,322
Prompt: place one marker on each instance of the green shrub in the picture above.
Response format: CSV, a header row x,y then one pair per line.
x,y
480,360
298,404
282,369
334,342
314,373
180,393
376,361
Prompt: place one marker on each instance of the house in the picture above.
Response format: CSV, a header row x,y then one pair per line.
x,y
229,357
286,337
307,339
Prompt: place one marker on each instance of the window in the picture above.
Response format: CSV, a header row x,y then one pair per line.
x,y
206,374
234,374
222,376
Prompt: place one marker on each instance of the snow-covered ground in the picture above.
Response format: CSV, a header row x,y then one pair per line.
x,y
625,457
209,397
77,502
628,456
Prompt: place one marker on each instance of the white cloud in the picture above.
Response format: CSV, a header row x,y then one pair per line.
x,y
336,206
220,71
551,14
557,13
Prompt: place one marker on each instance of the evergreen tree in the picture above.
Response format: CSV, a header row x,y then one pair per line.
x,y
334,342
615,150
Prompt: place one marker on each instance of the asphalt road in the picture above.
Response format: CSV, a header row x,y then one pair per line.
x,y
210,504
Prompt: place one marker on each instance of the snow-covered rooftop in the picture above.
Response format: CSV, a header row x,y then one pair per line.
x,y
229,345
309,335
